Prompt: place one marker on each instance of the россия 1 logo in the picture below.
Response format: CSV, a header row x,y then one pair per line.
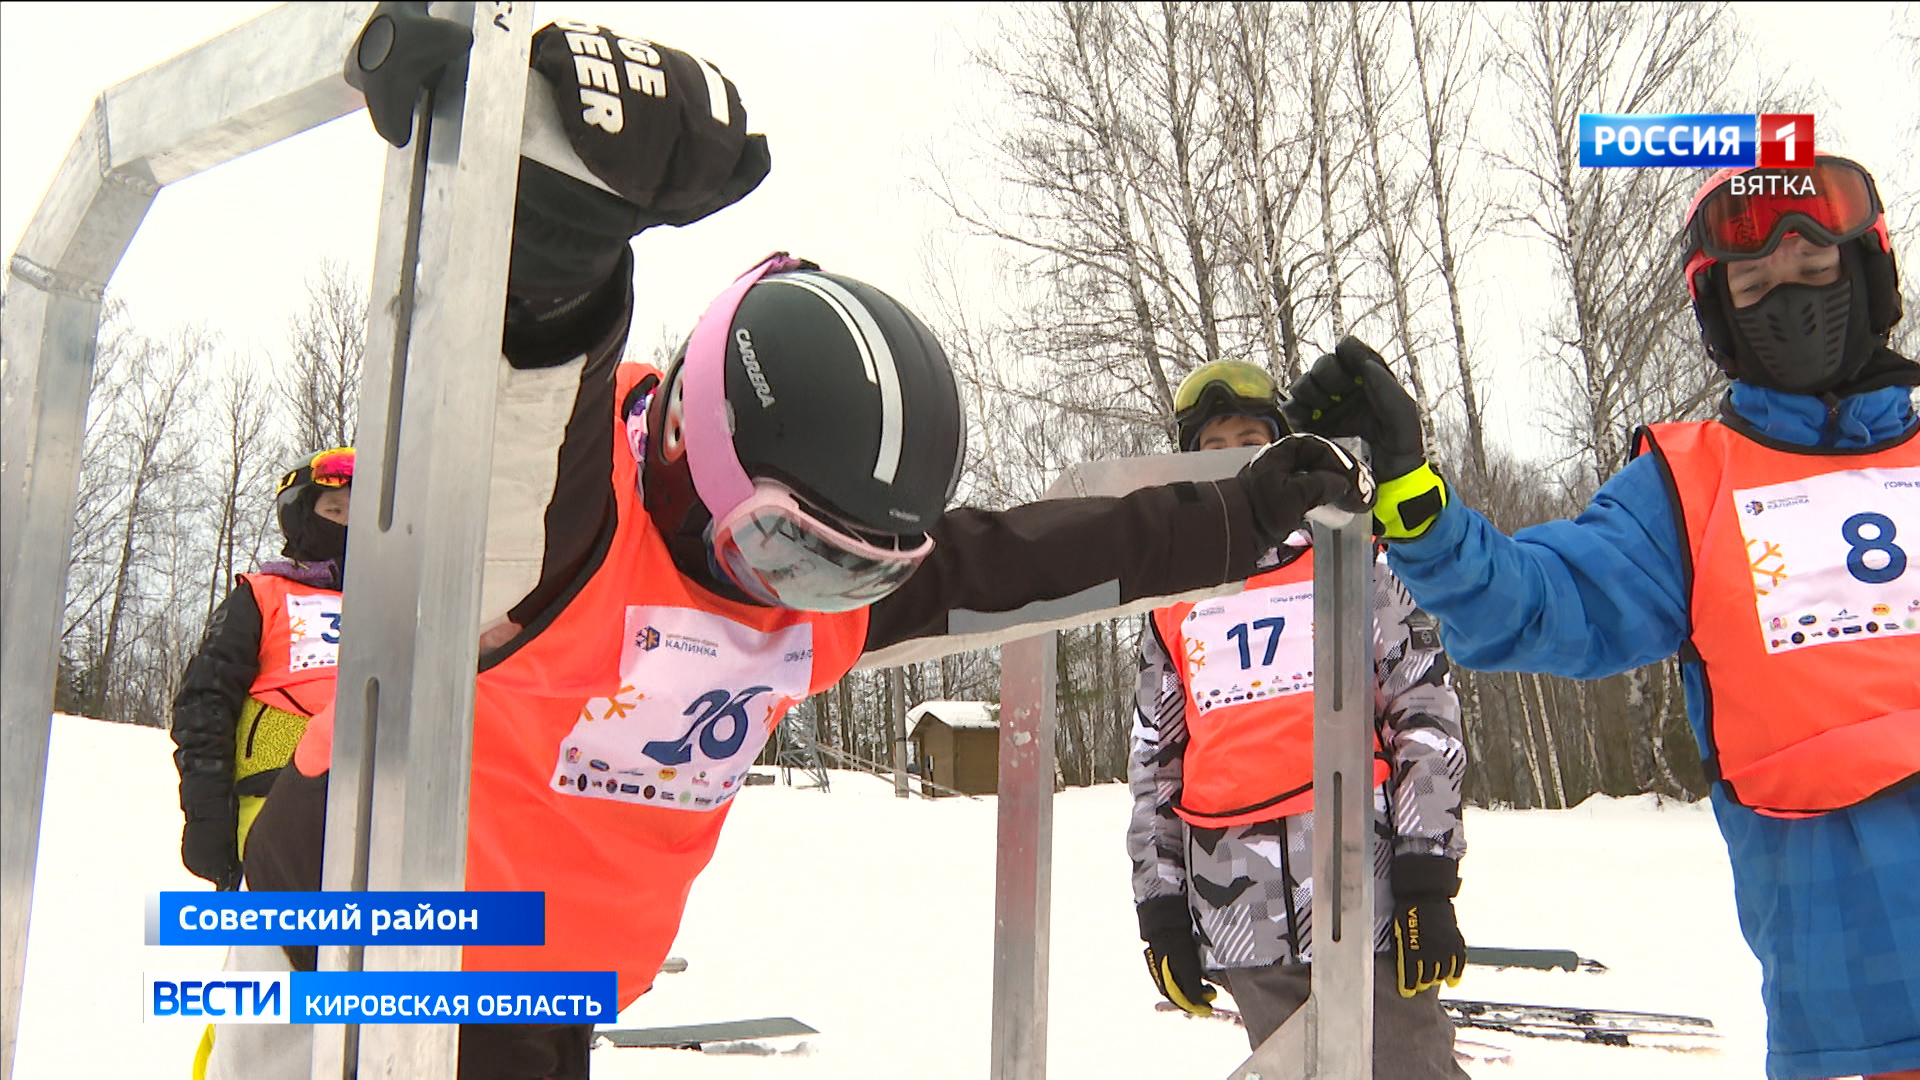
x,y
1696,140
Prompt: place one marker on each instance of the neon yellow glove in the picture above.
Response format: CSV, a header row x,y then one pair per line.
x,y
1351,392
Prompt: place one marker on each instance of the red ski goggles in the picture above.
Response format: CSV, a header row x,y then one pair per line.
x,y
1748,213
328,468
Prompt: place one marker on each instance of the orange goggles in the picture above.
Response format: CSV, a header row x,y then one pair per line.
x,y
1748,215
328,468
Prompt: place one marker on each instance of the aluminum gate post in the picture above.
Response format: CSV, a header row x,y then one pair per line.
x,y
1332,1037
226,97
1023,875
403,737
897,690
1023,883
403,721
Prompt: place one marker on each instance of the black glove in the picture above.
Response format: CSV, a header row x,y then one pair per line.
x,y
1292,476
1350,392
1173,957
638,116
663,129
1426,939
210,849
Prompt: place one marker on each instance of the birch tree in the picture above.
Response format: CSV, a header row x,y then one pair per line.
x,y
1387,191
142,447
239,475
1446,53
1623,340
320,385
1271,162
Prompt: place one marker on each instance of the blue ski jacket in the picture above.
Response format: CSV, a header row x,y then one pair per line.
x,y
1829,904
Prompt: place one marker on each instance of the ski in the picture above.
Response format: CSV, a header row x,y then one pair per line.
x,y
1220,1012
1539,959
695,1036
1611,1027
1469,1050
1463,1049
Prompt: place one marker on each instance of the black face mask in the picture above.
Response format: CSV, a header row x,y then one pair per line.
x,y
1796,335
1804,339
312,538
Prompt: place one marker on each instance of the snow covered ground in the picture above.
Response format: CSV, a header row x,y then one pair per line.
x,y
872,920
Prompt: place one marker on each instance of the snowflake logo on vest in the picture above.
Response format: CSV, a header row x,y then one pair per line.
x,y
1773,574
1196,654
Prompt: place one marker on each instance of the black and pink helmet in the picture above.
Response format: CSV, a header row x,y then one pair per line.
x,y
823,436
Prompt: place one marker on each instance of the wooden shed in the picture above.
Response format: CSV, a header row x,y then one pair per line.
x,y
957,744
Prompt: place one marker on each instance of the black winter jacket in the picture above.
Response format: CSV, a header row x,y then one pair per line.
x,y
207,709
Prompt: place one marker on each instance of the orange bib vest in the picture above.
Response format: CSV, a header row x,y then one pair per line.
x,y
299,643
1246,669
1803,578
608,748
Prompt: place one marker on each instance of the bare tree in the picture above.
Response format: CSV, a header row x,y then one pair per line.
x,y
244,467
1118,198
1180,145
141,446
976,345
1271,163
93,516
167,623
1623,339
1446,55
1181,183
321,383
1389,194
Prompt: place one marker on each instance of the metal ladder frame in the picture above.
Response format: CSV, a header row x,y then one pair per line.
x,y
403,733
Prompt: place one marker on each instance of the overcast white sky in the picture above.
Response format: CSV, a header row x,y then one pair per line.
x,y
844,94
852,96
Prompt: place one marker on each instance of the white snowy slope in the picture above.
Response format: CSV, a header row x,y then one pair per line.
x,y
872,920
109,835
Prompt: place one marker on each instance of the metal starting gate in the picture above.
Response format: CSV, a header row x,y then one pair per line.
x,y
397,797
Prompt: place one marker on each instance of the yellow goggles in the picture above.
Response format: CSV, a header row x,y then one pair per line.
x,y
1249,382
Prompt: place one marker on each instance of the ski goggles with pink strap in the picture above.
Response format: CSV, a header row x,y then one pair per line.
x,y
766,542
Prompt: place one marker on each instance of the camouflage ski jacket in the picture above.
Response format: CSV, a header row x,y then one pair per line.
x,y
1250,886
